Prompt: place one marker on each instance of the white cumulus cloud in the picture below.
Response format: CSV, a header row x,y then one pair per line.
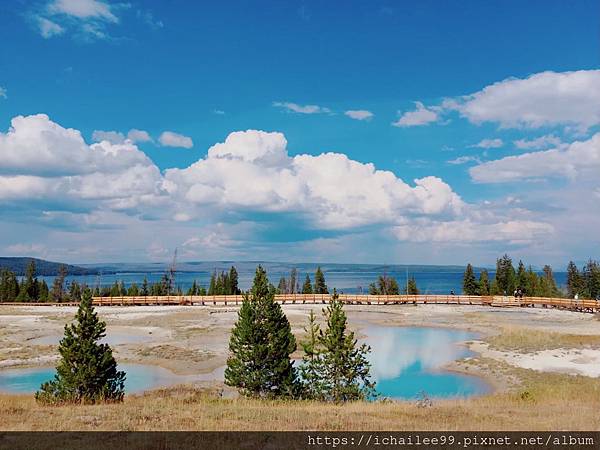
x,y
489,143
359,114
422,115
252,170
172,139
539,143
40,159
302,109
542,99
135,135
578,159
83,9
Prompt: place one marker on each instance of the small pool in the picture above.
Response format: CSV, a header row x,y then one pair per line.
x,y
140,377
409,360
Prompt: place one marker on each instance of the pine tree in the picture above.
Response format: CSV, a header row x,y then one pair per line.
x,y
133,290
87,371
591,279
550,282
145,290
412,288
293,281
344,368
574,280
470,285
307,286
282,287
233,281
484,283
522,281
320,286
44,291
261,344
384,286
74,292
505,275
9,286
534,285
312,369
58,286
193,290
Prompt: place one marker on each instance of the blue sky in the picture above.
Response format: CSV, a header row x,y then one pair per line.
x,y
503,137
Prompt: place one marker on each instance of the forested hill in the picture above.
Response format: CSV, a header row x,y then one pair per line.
x,y
18,265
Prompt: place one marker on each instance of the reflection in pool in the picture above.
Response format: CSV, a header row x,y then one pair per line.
x,y
140,377
407,361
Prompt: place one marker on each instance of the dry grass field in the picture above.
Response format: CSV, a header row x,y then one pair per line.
x,y
542,402
194,340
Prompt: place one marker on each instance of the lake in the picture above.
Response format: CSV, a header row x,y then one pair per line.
x,y
405,362
347,278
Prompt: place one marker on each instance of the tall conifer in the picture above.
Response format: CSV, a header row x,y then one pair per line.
x,y
87,371
260,345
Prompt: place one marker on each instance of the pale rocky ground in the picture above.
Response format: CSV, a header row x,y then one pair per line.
x,y
193,340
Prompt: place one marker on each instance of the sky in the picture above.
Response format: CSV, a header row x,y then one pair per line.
x,y
420,132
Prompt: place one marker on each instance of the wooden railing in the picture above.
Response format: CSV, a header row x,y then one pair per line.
x,y
500,301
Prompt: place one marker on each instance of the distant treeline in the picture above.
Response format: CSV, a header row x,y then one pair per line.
x,y
507,280
31,289
19,266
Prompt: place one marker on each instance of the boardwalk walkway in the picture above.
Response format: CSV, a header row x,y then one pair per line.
x,y
494,301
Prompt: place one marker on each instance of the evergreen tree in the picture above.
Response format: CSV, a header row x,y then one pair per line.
x,y
193,290
534,284
523,279
74,292
145,290
574,280
233,281
282,287
344,369
505,276
591,279
484,283
44,291
213,283
320,286
470,285
550,283
293,281
307,286
312,370
412,288
384,286
115,290
219,288
494,289
58,286
9,286
261,344
87,371
165,284
133,290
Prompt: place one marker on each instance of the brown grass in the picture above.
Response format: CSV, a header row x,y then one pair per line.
x,y
525,340
543,402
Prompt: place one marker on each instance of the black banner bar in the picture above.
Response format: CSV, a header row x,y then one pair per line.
x,y
317,440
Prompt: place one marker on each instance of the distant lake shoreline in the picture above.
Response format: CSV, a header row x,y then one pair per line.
x,y
346,278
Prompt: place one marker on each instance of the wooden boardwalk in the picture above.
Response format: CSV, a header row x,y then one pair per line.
x,y
589,306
